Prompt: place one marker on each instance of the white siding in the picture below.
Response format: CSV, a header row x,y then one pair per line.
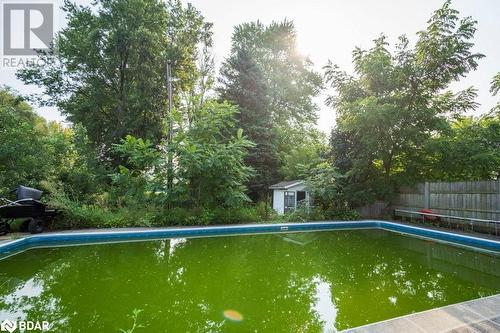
x,y
279,197
279,201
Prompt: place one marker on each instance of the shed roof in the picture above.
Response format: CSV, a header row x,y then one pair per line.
x,y
285,185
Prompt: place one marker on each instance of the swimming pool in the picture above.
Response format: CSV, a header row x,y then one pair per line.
x,y
279,282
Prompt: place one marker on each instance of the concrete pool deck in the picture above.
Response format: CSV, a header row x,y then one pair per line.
x,y
477,316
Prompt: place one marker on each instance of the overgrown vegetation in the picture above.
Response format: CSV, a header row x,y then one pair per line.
x,y
398,123
234,134
273,86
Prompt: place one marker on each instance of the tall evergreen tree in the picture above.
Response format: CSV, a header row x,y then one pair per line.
x,y
273,86
244,85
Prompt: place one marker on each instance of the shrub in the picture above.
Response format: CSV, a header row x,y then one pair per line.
x,y
74,214
236,215
99,214
342,214
203,216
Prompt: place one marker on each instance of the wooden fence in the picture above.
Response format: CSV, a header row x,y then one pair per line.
x,y
474,199
375,210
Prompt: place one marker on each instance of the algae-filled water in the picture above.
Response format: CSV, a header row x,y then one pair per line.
x,y
302,282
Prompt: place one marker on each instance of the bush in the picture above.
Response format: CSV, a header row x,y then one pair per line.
x,y
203,216
236,215
74,214
342,214
100,214
265,211
304,214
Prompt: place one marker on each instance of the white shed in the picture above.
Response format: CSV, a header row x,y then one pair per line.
x,y
286,195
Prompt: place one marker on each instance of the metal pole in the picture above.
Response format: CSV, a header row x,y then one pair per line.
x,y
170,176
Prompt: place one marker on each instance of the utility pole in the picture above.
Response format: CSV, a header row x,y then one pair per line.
x,y
170,168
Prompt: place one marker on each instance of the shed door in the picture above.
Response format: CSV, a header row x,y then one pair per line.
x,y
289,201
301,195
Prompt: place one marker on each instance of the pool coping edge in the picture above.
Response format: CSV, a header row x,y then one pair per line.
x,y
106,236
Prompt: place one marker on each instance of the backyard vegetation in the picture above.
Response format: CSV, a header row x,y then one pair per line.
x,y
236,132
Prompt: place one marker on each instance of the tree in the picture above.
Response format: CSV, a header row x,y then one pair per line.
x,y
309,148
106,69
361,180
244,85
495,88
140,172
273,86
32,150
324,184
210,156
394,103
209,164
470,150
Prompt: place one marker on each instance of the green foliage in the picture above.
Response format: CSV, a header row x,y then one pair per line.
x,y
343,214
134,180
495,88
396,121
210,157
205,216
209,164
470,150
139,154
135,325
82,173
244,85
305,214
77,214
290,81
309,148
106,69
394,103
324,184
31,150
273,86
74,214
20,142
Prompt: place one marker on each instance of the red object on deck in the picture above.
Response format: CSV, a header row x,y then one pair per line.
x,y
429,217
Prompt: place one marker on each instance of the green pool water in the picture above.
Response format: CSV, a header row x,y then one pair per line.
x,y
301,282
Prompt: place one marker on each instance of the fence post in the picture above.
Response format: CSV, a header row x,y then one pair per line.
x,y
427,195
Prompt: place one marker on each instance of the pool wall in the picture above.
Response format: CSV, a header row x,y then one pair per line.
x,y
74,238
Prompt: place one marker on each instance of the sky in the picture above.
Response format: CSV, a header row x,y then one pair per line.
x,y
330,29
